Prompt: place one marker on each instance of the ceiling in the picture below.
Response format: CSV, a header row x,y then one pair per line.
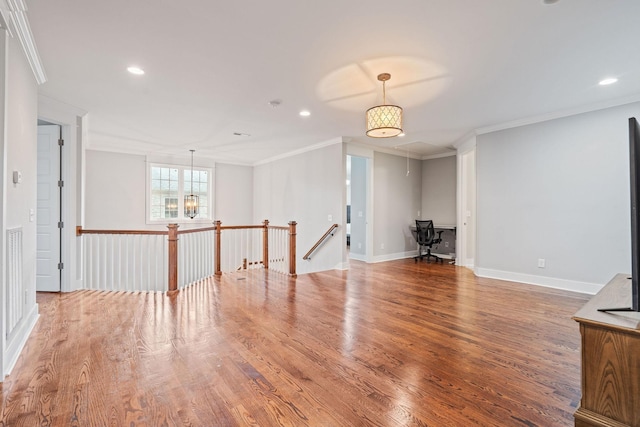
x,y
213,67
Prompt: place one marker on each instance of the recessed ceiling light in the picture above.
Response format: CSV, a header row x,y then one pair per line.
x,y
608,81
135,70
550,1
305,113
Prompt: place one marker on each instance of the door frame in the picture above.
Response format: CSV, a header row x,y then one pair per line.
x,y
58,152
73,122
358,151
466,204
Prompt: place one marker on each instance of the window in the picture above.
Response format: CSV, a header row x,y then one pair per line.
x,y
168,185
170,207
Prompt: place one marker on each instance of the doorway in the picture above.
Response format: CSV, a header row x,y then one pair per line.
x,y
358,211
49,213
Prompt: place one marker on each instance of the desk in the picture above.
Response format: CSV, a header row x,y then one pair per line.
x,y
446,248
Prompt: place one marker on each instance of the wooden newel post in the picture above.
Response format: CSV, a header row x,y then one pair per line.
x,y
265,243
292,248
216,260
173,257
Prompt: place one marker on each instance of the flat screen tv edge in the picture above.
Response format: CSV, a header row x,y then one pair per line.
x,y
634,174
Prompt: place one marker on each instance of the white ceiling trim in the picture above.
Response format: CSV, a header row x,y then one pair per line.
x,y
18,26
439,156
47,104
558,114
327,143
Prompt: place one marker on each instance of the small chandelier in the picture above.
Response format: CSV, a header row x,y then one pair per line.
x,y
191,201
384,121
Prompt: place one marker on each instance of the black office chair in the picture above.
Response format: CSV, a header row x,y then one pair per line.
x,y
426,238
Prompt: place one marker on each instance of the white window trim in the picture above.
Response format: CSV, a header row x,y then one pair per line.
x,y
181,218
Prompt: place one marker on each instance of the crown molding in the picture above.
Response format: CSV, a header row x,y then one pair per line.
x,y
394,151
14,19
327,143
48,107
466,143
559,114
440,156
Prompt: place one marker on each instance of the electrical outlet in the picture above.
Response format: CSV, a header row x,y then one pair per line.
x,y
541,263
446,244
381,245
329,217
359,245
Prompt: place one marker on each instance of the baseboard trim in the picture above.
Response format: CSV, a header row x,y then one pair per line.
x,y
395,256
548,282
358,257
14,348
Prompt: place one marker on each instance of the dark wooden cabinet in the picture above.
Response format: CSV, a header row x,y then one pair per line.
x,y
610,359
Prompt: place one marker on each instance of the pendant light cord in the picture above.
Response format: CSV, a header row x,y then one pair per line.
x,y
192,151
384,93
407,162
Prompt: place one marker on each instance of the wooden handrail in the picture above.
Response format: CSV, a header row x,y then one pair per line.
x,y
80,231
196,230
239,227
319,242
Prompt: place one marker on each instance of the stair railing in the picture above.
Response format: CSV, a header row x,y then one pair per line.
x,y
140,260
324,237
255,246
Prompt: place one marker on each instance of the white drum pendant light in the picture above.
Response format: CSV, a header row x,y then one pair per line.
x,y
384,121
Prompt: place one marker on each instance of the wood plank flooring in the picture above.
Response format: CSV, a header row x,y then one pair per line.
x,y
389,344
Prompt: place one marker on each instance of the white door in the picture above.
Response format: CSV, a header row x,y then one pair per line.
x,y
48,210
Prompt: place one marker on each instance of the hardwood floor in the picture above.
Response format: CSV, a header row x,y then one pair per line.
x,y
389,344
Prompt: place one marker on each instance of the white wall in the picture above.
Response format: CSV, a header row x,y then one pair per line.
x,y
397,198
234,194
558,191
439,190
115,192
19,154
306,188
